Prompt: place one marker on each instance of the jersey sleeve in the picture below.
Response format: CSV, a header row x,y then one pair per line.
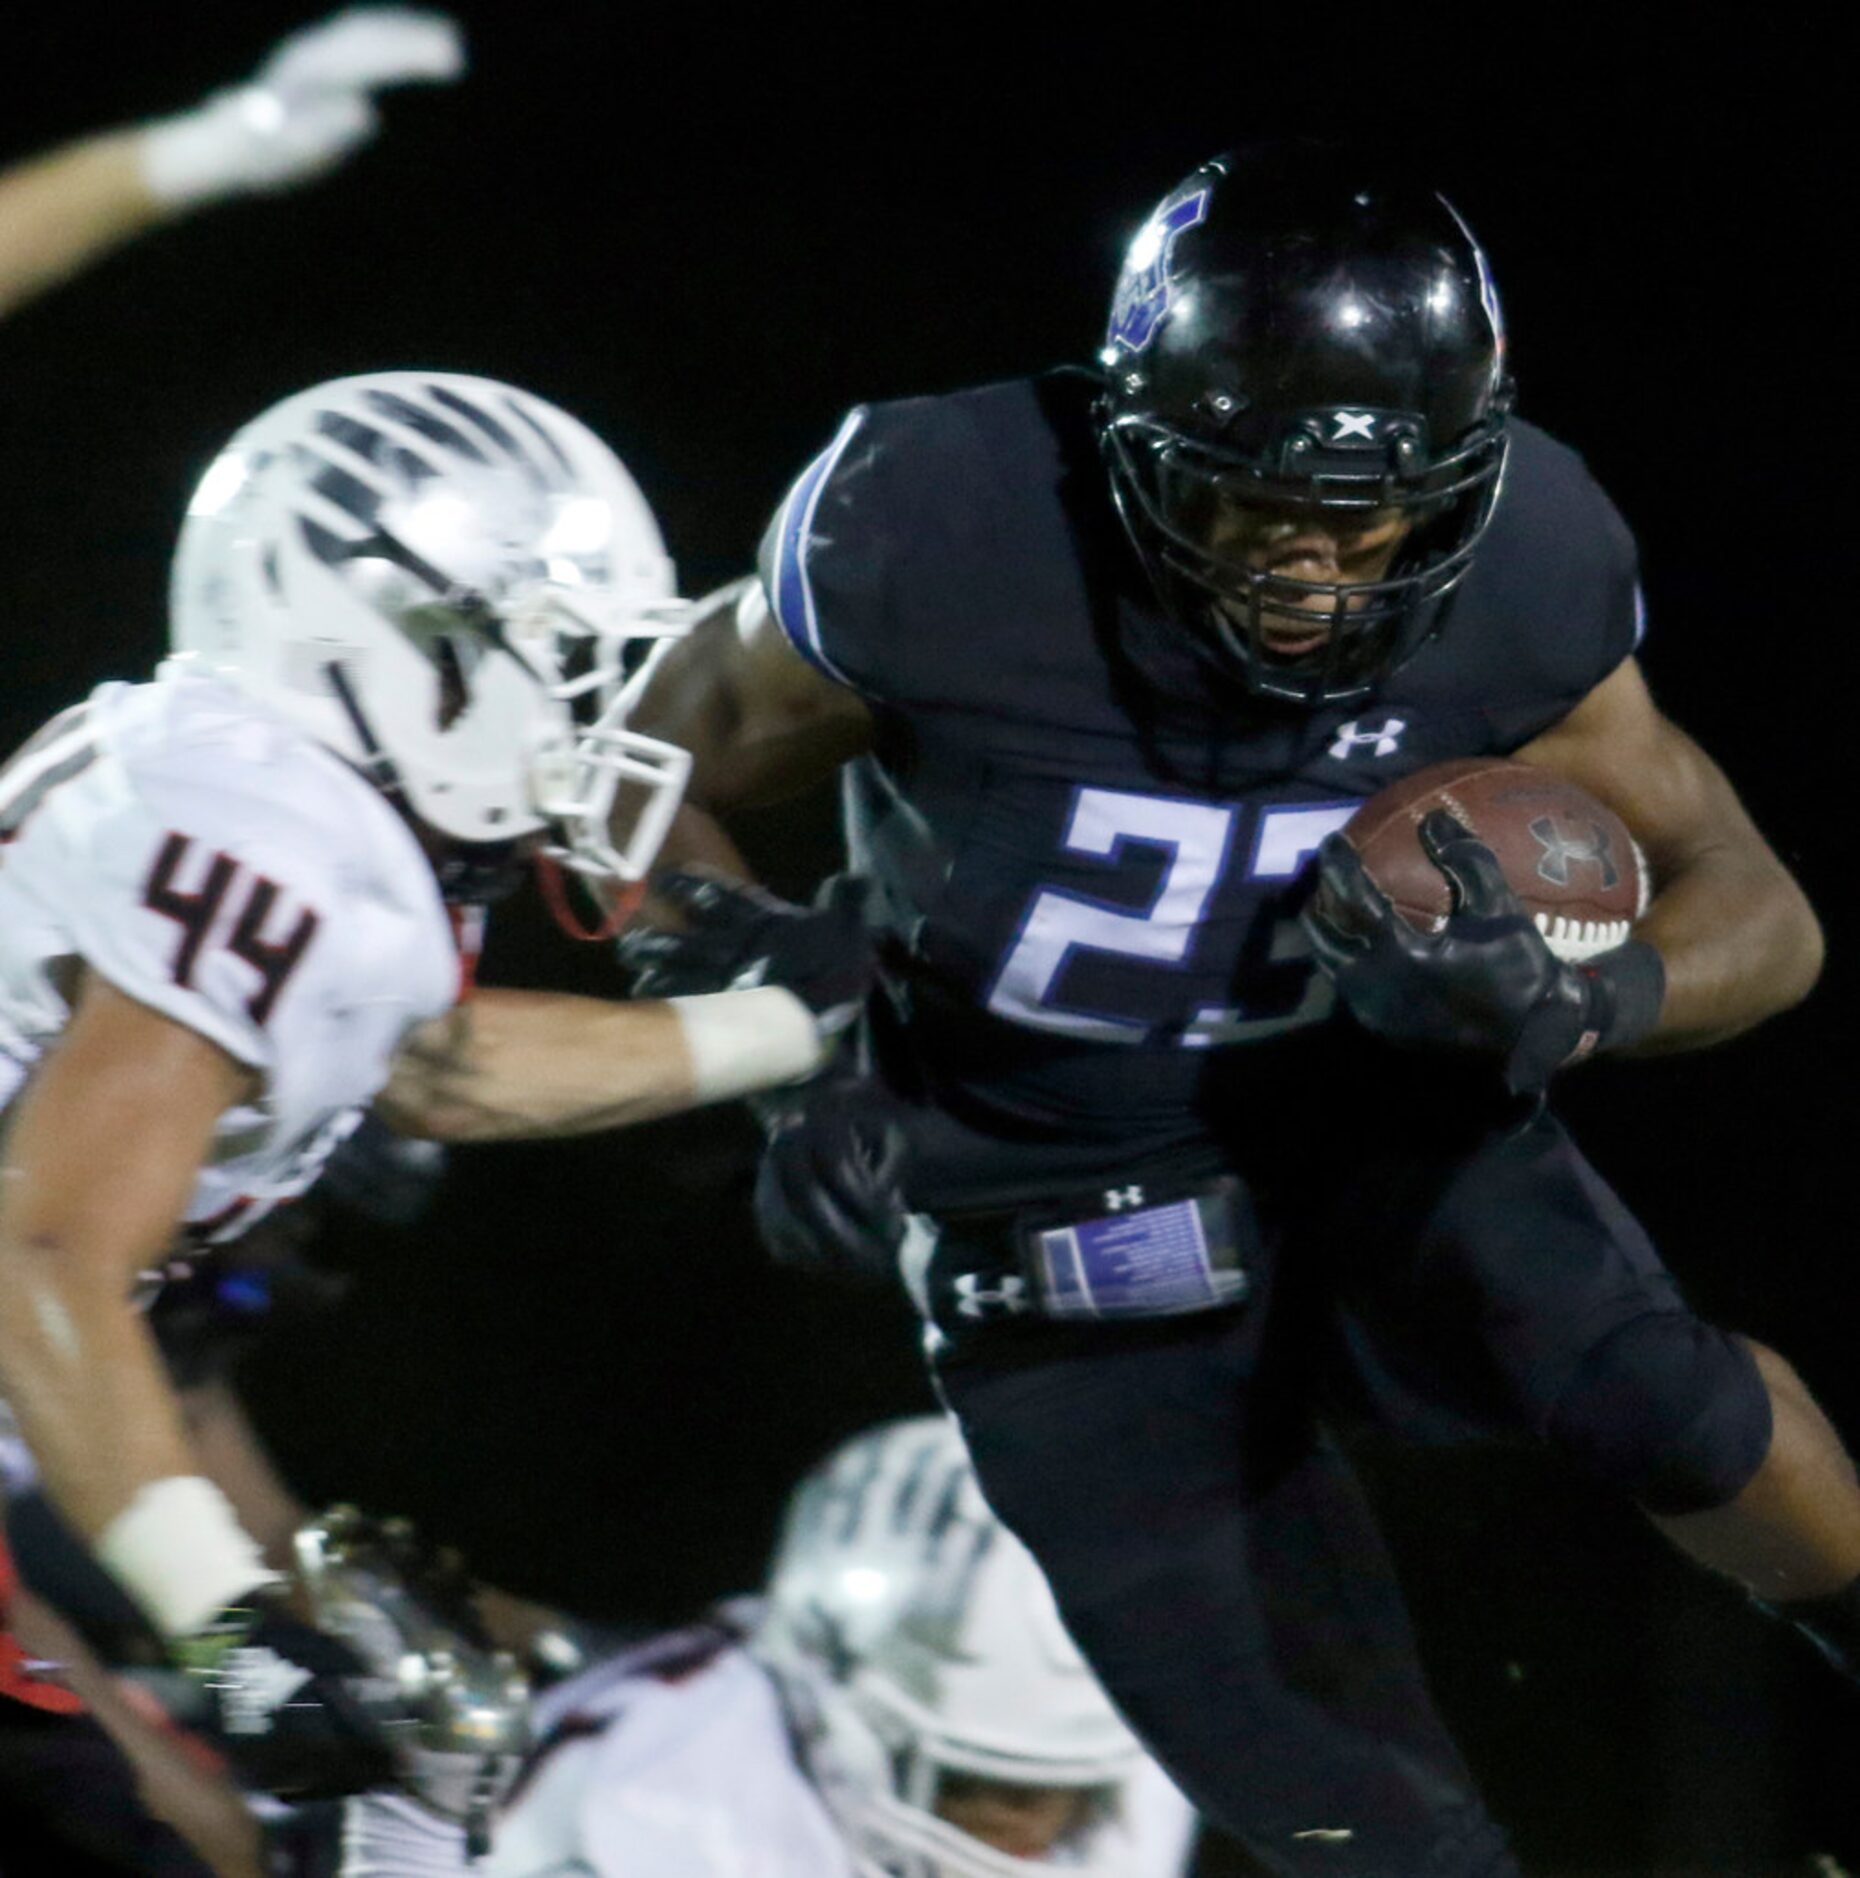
x,y
1623,608
823,559
1579,559
1552,605
197,902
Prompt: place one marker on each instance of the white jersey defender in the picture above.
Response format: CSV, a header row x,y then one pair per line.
x,y
401,605
400,599
680,1758
908,1646
220,866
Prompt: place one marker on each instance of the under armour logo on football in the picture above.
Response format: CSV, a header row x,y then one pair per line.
x,y
1353,424
1382,739
1117,1198
973,1299
1560,853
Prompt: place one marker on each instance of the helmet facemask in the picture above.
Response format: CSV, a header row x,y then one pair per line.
x,y
1171,488
883,1770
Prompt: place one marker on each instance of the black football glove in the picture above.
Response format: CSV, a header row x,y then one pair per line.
x,y
286,1704
735,936
828,1194
1487,983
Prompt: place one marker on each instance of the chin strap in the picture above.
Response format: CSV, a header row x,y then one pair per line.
x,y
611,913
376,764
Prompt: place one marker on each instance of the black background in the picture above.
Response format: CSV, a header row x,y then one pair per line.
x,y
707,238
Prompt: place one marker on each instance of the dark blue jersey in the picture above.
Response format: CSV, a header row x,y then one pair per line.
x,y
1091,850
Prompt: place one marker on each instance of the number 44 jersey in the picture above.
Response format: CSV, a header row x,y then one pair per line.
x,y
213,863
1092,848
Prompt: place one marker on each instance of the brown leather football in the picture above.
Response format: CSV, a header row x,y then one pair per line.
x,y
1568,857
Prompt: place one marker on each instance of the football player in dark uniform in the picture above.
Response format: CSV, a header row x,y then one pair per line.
x,y
1167,1205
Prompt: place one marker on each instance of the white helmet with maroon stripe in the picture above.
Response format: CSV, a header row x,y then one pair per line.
x,y
437,576
917,1645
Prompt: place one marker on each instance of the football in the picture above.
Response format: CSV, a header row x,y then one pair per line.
x,y
1568,857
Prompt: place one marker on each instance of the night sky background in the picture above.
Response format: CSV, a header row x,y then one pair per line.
x,y
707,240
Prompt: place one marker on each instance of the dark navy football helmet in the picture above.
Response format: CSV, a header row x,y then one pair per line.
x,y
1304,415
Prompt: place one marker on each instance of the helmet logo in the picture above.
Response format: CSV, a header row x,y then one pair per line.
x,y
1353,424
1144,289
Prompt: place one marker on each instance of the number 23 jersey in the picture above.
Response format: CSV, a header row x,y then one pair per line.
x,y
1091,848
217,865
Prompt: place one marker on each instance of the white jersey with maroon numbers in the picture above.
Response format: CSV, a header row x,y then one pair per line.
x,y
215,864
676,1760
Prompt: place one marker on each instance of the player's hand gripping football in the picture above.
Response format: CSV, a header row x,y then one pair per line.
x,y
1486,983
734,937
829,1197
309,106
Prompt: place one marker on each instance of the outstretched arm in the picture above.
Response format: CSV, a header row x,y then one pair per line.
x,y
307,109
529,1065
60,212
1736,934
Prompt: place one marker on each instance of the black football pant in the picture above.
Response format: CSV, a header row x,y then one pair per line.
x,y
1207,1545
1222,1575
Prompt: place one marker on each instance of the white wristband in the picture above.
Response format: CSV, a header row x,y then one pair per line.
x,y
742,1041
179,1551
205,153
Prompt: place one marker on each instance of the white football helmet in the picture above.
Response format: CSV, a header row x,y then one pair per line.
x,y
437,576
914,1637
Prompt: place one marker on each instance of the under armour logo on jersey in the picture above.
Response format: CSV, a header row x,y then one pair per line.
x,y
1379,739
1143,289
1353,424
1117,1198
1560,853
975,1300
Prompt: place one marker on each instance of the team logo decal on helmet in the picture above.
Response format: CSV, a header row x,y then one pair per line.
x,y
438,576
1142,296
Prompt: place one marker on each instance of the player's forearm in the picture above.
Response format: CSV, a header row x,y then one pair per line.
x,y
230,1454
528,1065
532,1065
1739,942
60,212
83,1377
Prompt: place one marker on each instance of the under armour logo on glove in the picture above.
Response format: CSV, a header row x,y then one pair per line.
x,y
253,1683
294,1710
734,937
